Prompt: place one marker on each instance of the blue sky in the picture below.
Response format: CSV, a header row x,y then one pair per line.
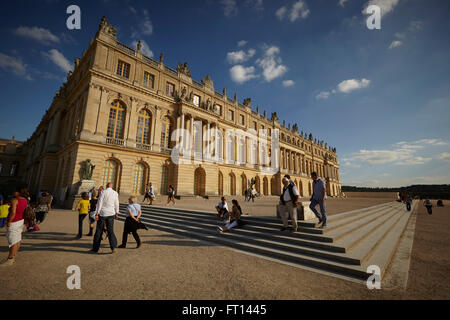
x,y
381,97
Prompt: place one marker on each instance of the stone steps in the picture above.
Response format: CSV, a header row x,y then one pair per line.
x,y
353,240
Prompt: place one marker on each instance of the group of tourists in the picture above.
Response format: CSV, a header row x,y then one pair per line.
x,y
289,201
150,194
250,194
102,206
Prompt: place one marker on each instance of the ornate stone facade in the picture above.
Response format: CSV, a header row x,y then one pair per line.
x,y
119,109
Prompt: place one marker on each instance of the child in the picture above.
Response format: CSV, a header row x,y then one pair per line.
x,y
4,209
83,207
92,209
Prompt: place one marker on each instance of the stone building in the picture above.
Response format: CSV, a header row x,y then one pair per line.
x,y
11,160
120,109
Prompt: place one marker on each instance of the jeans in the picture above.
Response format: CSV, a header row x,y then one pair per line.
x,y
109,221
323,215
80,224
2,222
40,216
129,227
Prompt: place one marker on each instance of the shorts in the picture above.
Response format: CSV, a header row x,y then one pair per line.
x,y
92,217
14,232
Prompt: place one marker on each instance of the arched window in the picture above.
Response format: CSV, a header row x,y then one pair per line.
x,y
109,173
164,180
220,183
200,182
166,129
138,179
143,127
116,121
232,184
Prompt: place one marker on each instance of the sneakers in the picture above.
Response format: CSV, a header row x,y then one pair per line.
x,y
323,226
220,229
8,262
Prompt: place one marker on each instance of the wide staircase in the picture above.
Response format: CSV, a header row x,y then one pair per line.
x,y
352,241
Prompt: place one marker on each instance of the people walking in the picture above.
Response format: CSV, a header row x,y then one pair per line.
x,y
43,206
319,197
92,210
15,222
4,211
171,195
428,205
235,217
288,203
107,211
408,202
132,223
83,211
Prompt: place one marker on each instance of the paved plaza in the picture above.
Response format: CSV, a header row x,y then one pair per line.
x,y
172,267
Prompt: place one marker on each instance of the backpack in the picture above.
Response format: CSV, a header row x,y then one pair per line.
x,y
29,215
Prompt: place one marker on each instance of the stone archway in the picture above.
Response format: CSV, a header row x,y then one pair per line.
x,y
243,183
266,186
220,182
232,184
200,182
258,184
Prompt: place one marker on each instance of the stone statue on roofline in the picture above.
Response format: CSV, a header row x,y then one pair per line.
x,y
247,102
295,128
183,68
107,28
274,117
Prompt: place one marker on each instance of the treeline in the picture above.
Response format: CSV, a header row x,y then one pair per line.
x,y
436,191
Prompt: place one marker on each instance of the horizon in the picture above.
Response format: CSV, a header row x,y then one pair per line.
x,y
379,96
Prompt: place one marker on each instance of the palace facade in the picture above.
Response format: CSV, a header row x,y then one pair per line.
x,y
120,109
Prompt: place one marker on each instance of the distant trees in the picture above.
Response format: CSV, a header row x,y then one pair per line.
x,y
436,191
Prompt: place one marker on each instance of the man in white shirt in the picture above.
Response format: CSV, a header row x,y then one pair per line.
x,y
107,210
288,203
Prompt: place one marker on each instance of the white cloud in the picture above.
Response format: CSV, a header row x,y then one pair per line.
x,y
395,44
342,2
386,6
145,48
288,83
272,64
242,43
323,95
444,157
241,74
147,27
281,13
255,4
14,65
37,33
240,56
348,86
58,58
229,7
298,10
402,154
415,26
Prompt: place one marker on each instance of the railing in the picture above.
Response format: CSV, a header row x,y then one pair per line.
x,y
125,48
116,142
169,70
230,100
144,146
218,95
151,61
197,84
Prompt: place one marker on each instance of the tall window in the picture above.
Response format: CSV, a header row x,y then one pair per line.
x,y
196,100
143,127
166,127
149,80
123,69
170,89
116,120
109,173
138,180
13,169
230,115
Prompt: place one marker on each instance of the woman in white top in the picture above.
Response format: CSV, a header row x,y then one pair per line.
x,y
132,223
